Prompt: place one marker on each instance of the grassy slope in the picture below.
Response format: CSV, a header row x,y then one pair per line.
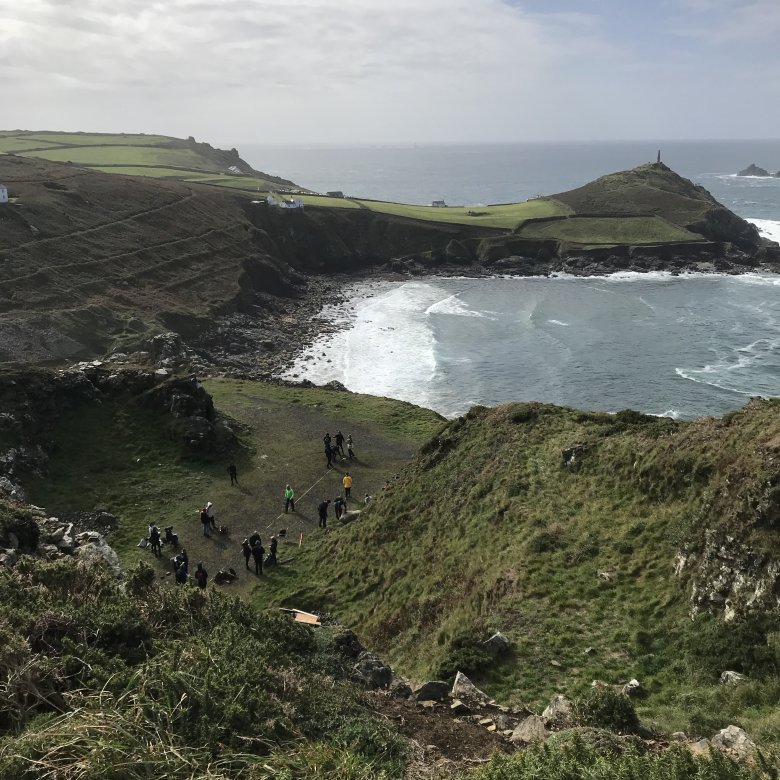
x,y
609,230
136,154
118,457
507,215
487,531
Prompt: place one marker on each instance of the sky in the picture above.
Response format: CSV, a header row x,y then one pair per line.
x,y
393,71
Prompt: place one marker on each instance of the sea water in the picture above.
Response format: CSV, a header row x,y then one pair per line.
x,y
680,346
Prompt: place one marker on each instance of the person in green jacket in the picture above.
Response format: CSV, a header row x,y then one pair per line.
x,y
289,499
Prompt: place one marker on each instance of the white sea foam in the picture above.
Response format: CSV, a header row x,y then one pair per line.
x,y
386,348
559,322
768,228
673,414
455,306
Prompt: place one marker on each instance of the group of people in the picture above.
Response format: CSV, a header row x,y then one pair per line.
x,y
334,448
252,547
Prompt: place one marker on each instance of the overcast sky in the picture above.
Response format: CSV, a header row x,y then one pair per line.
x,y
233,71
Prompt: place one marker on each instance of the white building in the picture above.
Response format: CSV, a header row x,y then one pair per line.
x,y
293,203
3,193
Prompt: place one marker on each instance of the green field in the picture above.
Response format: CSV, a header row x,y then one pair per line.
x,y
99,139
127,155
13,144
506,215
155,173
609,230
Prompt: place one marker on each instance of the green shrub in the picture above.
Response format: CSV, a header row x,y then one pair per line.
x,y
607,709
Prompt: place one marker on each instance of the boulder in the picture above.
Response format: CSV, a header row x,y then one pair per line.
x,y
679,736
8,557
372,671
700,748
529,731
463,688
732,678
632,688
400,689
497,645
735,741
433,690
459,708
559,713
98,551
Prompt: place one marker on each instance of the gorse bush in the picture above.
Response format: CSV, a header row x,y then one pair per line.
x,y
607,709
578,760
146,681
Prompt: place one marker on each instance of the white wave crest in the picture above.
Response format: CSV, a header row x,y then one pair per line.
x,y
768,228
456,307
559,322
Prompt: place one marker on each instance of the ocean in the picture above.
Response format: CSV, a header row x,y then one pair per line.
x,y
679,346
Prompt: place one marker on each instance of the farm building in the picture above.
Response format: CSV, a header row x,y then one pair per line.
x,y
439,204
3,193
281,203
335,194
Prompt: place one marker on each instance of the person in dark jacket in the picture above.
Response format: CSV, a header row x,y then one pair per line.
x,y
255,537
205,521
233,473
258,551
154,540
338,507
340,443
201,576
323,512
246,549
271,560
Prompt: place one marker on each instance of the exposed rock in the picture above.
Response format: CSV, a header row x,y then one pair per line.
x,y
372,671
497,645
632,688
463,688
735,741
732,678
700,748
559,712
8,557
400,688
679,736
572,457
730,577
754,170
459,708
529,731
433,690
94,549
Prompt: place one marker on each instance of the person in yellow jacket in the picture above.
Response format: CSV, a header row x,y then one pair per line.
x,y
347,482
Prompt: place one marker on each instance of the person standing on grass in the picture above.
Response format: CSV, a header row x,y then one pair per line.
x,y
347,482
154,540
233,472
210,513
323,512
255,537
350,451
205,520
329,455
246,549
272,552
201,576
258,551
338,507
289,499
326,440
340,443
181,574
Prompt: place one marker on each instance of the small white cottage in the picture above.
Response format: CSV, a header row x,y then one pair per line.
x,y
3,193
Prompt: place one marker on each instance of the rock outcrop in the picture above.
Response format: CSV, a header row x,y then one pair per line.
x,y
754,170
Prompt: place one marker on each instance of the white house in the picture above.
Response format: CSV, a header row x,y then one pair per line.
x,y
281,203
3,193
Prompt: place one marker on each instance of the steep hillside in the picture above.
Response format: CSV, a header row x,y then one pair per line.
x,y
140,154
657,190
90,261
605,547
